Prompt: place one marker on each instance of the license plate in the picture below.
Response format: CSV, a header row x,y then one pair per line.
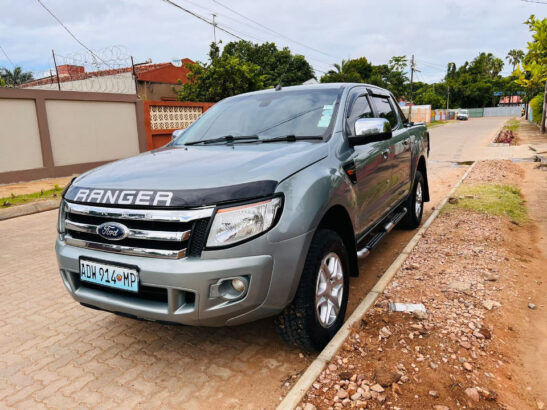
x,y
113,276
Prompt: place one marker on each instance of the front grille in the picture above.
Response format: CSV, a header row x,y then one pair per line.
x,y
152,233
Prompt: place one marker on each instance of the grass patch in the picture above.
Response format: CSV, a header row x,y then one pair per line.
x,y
435,124
512,125
26,198
493,199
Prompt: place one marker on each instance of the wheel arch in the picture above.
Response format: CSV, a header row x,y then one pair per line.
x,y
338,220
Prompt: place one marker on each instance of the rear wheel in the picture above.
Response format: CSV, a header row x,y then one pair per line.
x,y
414,204
319,307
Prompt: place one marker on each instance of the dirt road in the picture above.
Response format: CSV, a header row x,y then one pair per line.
x,y
54,352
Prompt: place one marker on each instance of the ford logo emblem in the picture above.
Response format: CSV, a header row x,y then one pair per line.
x,y
113,231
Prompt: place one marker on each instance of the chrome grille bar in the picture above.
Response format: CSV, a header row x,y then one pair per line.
x,y
157,215
126,250
133,233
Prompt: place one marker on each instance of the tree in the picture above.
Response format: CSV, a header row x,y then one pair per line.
x,y
15,77
224,76
515,57
343,72
533,75
276,65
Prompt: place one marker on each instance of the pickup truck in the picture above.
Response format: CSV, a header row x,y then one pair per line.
x,y
262,207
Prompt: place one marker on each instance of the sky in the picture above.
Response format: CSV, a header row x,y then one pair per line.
x,y
324,31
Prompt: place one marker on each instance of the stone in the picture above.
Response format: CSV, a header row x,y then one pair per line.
x,y
453,200
490,276
356,396
332,367
532,306
396,389
473,394
385,332
434,394
309,406
490,304
468,367
342,394
385,377
377,388
465,345
441,407
345,375
420,315
460,286
485,333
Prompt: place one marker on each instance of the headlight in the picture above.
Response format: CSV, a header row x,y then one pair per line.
x,y
62,217
232,225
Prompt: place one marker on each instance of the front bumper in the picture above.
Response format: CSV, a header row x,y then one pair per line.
x,y
181,288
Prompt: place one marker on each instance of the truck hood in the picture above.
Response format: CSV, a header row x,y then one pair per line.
x,y
198,172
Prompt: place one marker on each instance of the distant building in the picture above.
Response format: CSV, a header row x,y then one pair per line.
x,y
513,100
149,81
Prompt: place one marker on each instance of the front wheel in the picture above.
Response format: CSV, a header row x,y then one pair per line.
x,y
319,307
414,204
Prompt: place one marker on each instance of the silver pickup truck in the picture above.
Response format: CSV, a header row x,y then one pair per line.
x,y
261,208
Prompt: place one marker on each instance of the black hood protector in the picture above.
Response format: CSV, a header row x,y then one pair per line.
x,y
186,198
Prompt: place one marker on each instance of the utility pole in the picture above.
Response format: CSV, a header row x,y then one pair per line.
x,y
214,28
447,96
544,113
412,69
56,70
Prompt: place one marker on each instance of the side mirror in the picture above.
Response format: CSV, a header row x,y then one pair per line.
x,y
370,130
177,133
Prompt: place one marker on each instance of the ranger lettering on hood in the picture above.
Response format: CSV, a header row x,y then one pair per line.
x,y
123,197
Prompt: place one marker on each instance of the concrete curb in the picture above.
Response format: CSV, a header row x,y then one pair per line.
x,y
27,209
313,371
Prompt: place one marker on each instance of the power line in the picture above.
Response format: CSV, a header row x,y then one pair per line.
x,y
70,32
218,26
534,1
201,18
273,31
6,54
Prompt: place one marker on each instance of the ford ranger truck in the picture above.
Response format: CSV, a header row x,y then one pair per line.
x,y
262,207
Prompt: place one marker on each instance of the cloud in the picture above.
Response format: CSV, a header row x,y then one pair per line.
x,y
436,32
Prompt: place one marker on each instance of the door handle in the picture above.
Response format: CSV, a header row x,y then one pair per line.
x,y
385,154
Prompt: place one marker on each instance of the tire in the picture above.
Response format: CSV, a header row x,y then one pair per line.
x,y
414,204
302,323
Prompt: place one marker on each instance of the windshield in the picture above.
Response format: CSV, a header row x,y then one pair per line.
x,y
266,115
463,112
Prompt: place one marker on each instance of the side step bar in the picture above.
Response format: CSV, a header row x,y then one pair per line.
x,y
377,237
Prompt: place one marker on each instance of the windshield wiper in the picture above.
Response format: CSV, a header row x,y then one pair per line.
x,y
293,138
225,138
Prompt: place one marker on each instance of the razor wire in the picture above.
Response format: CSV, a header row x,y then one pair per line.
x,y
108,70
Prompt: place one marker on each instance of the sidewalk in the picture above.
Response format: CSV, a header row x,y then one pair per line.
x,y
33,186
479,343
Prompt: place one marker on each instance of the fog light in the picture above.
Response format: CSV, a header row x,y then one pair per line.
x,y
238,285
230,288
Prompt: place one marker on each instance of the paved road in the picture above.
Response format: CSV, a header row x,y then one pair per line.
x,y
55,353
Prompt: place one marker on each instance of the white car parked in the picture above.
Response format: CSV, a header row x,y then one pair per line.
x,y
463,115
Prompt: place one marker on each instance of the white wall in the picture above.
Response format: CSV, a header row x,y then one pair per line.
x,y
89,131
19,137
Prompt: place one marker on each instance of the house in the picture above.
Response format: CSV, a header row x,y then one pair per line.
x,y
149,81
512,100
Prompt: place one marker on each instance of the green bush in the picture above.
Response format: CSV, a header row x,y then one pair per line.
x,y
537,107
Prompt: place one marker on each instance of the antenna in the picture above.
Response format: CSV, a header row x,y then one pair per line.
x,y
278,87
214,28
177,62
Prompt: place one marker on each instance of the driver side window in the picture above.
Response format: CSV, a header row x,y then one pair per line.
x,y
360,109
